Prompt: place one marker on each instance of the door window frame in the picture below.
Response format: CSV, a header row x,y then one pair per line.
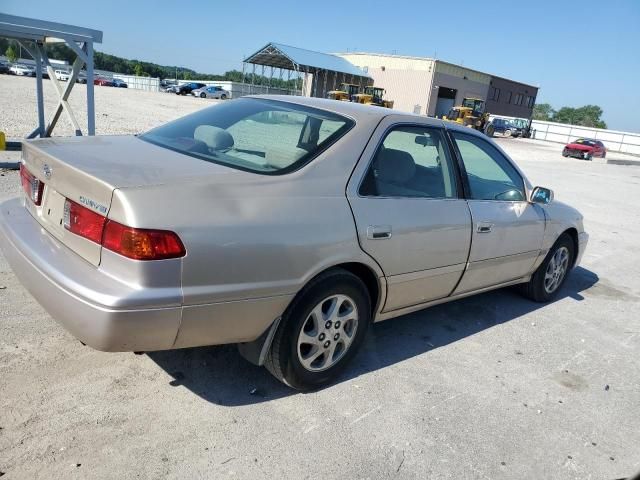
x,y
454,163
463,170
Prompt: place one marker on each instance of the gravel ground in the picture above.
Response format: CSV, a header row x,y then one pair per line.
x,y
489,387
118,110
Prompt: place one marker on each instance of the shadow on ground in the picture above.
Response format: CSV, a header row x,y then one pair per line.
x,y
220,375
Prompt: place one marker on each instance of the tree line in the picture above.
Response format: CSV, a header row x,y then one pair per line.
x,y
113,63
586,116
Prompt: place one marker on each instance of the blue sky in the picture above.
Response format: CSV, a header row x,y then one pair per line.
x,y
578,52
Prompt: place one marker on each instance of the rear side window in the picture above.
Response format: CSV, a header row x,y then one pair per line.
x,y
262,136
411,162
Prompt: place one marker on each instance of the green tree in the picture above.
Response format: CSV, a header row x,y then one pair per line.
x,y
543,111
138,70
586,116
11,54
186,75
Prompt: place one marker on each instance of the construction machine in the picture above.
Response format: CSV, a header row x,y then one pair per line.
x,y
373,96
471,114
345,92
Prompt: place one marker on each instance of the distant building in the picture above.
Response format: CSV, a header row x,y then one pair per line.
x,y
431,87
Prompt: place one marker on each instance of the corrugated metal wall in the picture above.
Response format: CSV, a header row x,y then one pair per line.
x,y
407,80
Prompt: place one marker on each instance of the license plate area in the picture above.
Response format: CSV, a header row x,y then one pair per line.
x,y
52,213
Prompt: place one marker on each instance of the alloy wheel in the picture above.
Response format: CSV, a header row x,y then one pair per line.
x,y
556,269
327,333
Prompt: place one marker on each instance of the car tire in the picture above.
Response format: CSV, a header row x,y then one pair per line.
x,y
604,154
564,153
589,157
223,97
312,345
203,95
549,277
489,131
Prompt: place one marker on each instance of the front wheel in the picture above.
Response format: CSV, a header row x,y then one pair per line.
x,y
552,273
565,153
203,95
223,97
321,331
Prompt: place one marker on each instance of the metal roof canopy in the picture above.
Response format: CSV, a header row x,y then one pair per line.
x,y
293,58
33,34
302,63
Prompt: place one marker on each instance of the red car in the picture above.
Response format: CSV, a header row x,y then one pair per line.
x,y
585,148
104,82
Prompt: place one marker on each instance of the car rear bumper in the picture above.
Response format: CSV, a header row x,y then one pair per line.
x,y
112,316
63,283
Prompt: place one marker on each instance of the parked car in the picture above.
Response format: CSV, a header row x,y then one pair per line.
x,y
4,67
119,83
62,75
82,77
585,148
23,70
187,88
102,81
504,127
211,92
284,224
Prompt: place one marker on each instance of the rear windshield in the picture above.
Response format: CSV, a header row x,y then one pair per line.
x,y
258,135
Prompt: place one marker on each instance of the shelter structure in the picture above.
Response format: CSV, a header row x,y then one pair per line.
x,y
33,35
308,73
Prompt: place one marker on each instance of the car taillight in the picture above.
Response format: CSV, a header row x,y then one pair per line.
x,y
82,221
135,243
31,185
142,244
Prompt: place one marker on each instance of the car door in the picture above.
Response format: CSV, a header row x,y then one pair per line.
x,y
410,217
507,230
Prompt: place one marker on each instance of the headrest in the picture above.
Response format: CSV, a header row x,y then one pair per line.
x,y
215,138
395,166
283,157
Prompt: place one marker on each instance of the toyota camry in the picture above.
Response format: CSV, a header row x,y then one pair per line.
x,y
285,225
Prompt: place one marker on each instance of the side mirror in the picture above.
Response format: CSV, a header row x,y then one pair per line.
x,y
542,195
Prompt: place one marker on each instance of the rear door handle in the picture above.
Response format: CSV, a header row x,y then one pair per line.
x,y
484,227
378,232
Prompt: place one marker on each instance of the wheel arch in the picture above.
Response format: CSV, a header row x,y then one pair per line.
x,y
256,351
572,232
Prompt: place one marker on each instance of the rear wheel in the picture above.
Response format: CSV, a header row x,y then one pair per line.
x,y
565,153
203,95
223,97
552,273
321,331
489,130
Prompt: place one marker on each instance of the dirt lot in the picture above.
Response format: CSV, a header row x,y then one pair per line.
x,y
118,110
488,387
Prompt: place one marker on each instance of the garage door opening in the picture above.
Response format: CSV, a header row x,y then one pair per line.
x,y
446,100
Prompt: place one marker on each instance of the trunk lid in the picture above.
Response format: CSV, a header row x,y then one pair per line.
x,y
87,170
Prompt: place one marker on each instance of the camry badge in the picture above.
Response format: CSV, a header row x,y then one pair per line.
x,y
47,170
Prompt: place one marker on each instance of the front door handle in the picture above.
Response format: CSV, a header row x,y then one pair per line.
x,y
484,227
378,232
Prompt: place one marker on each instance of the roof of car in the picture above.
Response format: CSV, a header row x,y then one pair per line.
x,y
350,109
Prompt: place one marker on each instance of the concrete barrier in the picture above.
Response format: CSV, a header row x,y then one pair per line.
x,y
615,141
